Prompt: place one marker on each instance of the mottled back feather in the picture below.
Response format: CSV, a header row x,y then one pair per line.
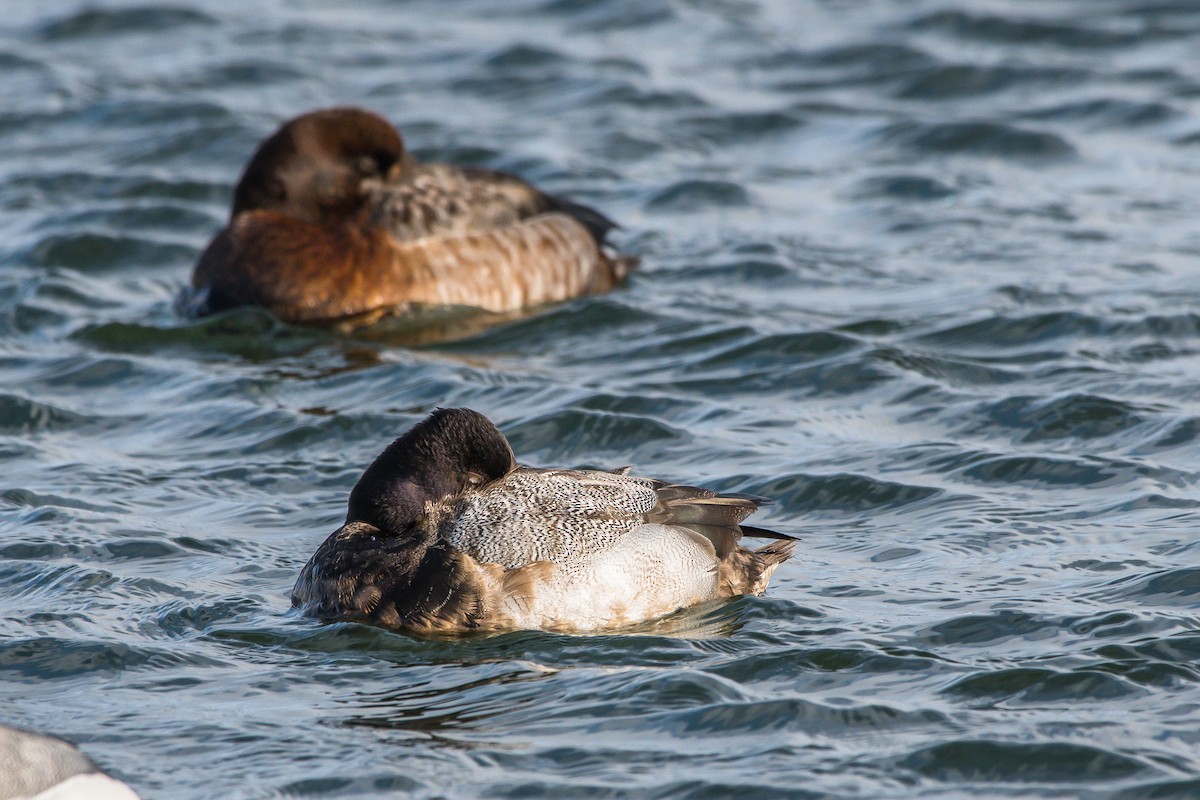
x,y
567,515
447,200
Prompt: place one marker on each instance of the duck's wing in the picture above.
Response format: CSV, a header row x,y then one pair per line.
x,y
549,515
559,515
446,200
716,515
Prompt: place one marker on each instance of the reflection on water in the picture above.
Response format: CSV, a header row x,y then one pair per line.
x,y
427,325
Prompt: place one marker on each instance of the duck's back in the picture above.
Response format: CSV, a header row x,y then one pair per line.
x,y
444,200
449,200
554,515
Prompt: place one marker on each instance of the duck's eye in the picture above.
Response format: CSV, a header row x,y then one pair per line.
x,y
373,165
366,166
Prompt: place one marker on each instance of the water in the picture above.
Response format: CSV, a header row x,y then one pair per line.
x,y
924,272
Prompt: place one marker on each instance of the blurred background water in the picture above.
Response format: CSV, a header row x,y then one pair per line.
x,y
925,271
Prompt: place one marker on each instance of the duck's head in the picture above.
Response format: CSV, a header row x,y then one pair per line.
x,y
315,166
452,450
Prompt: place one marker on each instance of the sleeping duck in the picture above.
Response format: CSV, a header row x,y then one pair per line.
x,y
446,532
333,220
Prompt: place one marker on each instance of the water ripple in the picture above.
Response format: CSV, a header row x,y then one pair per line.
x,y
979,138
951,82
110,22
1028,30
1015,762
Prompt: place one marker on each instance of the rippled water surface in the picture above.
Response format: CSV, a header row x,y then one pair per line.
x,y
925,272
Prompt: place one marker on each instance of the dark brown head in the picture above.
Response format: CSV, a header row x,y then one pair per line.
x,y
313,168
452,450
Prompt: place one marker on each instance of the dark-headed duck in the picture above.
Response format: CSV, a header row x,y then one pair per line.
x,y
332,219
445,532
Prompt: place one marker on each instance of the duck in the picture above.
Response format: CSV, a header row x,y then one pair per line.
x,y
333,220
446,533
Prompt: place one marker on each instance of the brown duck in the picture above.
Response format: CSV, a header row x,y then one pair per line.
x,y
332,219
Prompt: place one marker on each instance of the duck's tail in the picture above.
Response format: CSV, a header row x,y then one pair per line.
x,y
766,533
598,225
748,571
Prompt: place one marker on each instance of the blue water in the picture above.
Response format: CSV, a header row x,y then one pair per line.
x,y
927,272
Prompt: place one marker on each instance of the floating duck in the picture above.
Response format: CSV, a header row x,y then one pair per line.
x,y
446,532
334,220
